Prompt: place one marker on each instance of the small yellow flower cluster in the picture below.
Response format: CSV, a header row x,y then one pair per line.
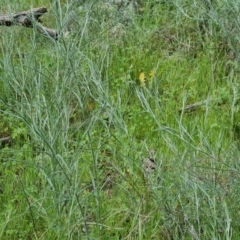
x,y
143,78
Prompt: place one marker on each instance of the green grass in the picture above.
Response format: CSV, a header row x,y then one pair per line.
x,y
82,122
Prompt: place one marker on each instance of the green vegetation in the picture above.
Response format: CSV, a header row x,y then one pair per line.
x,y
83,113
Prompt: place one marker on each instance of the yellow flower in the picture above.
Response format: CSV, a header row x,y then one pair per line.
x,y
142,79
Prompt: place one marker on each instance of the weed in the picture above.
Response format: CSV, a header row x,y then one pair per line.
x,y
84,112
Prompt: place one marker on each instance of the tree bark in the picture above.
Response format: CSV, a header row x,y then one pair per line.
x,y
29,19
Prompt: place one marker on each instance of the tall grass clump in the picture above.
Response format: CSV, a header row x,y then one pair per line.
x,y
126,127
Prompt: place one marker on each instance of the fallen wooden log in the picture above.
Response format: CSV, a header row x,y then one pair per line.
x,y
29,19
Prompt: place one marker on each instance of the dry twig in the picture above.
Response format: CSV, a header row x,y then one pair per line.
x,y
4,141
194,106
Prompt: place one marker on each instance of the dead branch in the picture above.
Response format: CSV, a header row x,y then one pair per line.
x,y
29,19
193,107
4,141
